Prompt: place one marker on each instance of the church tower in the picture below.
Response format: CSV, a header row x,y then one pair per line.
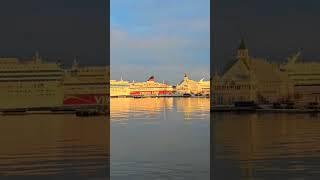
x,y
243,52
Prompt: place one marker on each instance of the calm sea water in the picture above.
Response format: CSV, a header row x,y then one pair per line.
x,y
160,138
266,146
54,147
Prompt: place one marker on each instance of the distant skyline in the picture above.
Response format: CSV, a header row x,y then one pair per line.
x,y
272,29
164,38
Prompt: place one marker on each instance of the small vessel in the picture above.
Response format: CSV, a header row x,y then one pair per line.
x,y
186,95
90,112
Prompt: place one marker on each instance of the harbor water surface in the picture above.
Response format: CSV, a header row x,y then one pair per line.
x,y
160,138
266,146
54,147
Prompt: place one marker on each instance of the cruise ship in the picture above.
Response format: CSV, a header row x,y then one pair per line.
x,y
305,77
119,88
150,88
86,86
30,84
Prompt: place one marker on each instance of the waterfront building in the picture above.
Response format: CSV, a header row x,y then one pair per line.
x,y
204,87
119,88
251,79
86,86
306,79
30,84
188,86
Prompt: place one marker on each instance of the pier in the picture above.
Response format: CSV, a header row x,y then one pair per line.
x,y
96,110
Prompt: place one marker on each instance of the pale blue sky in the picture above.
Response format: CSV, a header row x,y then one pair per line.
x,y
165,38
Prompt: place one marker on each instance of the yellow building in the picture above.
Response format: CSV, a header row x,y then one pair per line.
x,y
205,87
188,86
306,79
251,79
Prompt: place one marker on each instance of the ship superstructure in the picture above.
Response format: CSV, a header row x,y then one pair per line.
x,y
150,88
119,88
86,86
30,84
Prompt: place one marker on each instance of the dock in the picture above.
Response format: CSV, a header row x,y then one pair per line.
x,y
78,111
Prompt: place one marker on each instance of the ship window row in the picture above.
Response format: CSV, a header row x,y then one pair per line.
x,y
32,94
92,75
25,87
29,91
306,74
220,99
237,87
81,84
29,80
317,79
33,75
120,86
31,71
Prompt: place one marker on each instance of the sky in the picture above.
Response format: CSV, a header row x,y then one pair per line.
x,y
57,29
164,38
272,29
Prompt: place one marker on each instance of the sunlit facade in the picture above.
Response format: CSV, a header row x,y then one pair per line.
x,y
150,88
26,84
86,85
189,86
306,79
119,88
251,79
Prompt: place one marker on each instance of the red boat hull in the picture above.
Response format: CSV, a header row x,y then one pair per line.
x,y
85,99
140,93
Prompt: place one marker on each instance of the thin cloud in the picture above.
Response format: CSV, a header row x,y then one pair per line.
x,y
160,37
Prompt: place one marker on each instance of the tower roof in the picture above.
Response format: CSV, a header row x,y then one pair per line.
x,y
242,45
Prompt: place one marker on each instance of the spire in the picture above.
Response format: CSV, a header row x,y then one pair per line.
x,y
243,52
37,54
242,45
37,57
75,63
151,78
185,76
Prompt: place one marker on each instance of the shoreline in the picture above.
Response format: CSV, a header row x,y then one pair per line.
x,y
168,96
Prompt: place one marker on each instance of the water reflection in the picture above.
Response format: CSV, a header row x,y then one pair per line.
x,y
149,108
267,146
54,147
160,138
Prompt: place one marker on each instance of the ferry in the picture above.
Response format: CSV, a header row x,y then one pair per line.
x,y
30,83
150,88
119,88
86,86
